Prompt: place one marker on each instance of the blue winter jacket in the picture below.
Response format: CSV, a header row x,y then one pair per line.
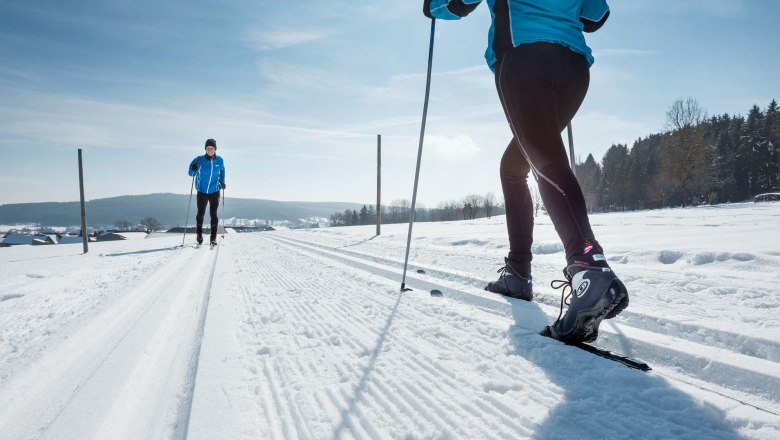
x,y
209,175
517,22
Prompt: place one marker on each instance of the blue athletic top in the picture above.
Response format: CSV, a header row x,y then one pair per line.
x,y
517,22
209,175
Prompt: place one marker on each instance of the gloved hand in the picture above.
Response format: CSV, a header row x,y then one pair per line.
x,y
222,185
427,8
194,166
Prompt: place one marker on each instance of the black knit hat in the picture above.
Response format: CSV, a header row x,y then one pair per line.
x,y
211,142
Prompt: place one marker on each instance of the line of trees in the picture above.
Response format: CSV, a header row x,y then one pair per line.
x,y
470,207
148,224
698,160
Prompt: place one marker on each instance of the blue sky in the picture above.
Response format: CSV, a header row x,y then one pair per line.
x,y
296,92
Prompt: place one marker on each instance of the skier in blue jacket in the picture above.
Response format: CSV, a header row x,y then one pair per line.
x,y
541,62
209,172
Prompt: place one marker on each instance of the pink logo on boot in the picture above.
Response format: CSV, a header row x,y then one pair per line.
x,y
588,247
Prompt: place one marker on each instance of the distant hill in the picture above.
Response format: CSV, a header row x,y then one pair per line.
x,y
168,209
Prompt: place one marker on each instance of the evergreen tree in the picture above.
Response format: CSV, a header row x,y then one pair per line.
x,y
613,187
756,146
752,142
741,159
773,134
645,158
589,175
363,216
724,186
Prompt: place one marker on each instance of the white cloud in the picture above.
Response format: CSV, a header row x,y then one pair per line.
x,y
478,75
726,8
284,37
622,52
456,147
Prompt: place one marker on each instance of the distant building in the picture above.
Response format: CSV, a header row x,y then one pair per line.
x,y
115,236
16,239
71,239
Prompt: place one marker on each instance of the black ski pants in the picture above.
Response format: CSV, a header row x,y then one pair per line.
x,y
213,201
541,87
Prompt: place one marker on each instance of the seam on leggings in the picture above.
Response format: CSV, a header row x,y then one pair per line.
x,y
504,104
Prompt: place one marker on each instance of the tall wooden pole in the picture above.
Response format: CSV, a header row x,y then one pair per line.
x,y
378,183
84,234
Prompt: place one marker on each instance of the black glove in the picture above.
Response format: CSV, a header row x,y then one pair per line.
x,y
593,26
427,8
194,166
222,185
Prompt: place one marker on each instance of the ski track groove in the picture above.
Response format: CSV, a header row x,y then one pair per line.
x,y
320,330
283,412
430,368
277,415
322,327
673,292
363,324
260,388
383,393
69,298
301,428
288,401
327,252
453,385
120,320
432,377
441,372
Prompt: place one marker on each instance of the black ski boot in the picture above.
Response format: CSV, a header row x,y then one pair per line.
x,y
200,239
596,294
511,283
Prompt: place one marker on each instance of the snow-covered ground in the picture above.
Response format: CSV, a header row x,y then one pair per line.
x,y
304,334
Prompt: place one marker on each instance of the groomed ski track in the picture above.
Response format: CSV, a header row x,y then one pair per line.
x,y
398,365
127,373
284,336
633,334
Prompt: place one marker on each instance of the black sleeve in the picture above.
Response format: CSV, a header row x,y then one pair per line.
x,y
461,9
456,7
593,26
427,8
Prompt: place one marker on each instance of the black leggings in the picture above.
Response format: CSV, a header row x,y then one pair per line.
x,y
541,87
213,201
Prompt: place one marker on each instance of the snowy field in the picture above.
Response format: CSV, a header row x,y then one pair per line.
x,y
304,334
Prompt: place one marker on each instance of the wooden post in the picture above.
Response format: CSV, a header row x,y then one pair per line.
x,y
378,183
84,233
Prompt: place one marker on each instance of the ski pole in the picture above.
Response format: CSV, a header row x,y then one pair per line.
x,y
188,211
223,213
419,154
571,150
